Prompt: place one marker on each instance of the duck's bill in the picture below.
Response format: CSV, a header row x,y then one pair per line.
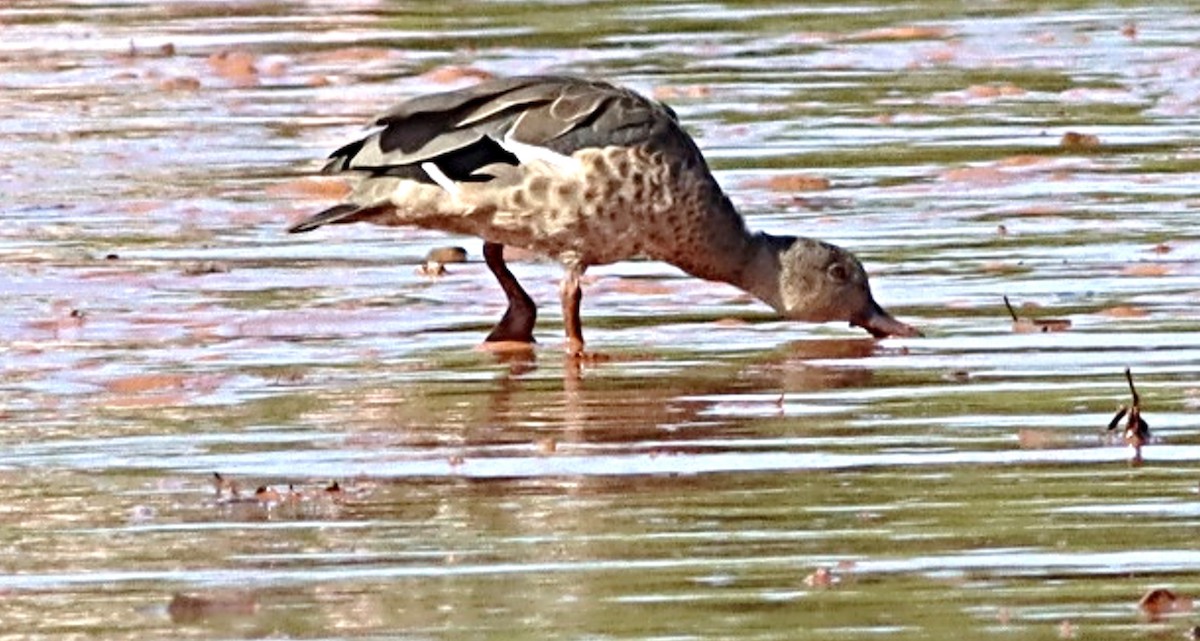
x,y
881,324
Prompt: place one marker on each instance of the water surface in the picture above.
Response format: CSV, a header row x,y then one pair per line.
x,y
157,326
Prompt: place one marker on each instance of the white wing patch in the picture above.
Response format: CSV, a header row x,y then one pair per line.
x,y
438,176
528,154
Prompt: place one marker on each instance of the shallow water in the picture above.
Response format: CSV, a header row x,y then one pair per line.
x,y
157,326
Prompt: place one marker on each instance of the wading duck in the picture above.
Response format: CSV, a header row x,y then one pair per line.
x,y
587,173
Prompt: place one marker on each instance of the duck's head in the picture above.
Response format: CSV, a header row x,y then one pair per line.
x,y
820,282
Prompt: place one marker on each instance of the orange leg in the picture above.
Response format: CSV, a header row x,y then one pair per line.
x,y
572,296
517,322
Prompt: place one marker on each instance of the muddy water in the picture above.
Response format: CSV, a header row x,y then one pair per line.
x,y
724,474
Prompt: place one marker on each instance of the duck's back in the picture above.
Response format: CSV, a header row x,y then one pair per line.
x,y
578,169
561,113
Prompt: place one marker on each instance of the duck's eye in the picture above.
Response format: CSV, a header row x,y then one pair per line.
x,y
837,272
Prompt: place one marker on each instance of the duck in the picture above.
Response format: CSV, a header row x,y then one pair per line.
x,y
585,172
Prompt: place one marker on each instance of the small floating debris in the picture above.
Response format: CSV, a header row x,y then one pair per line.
x,y
789,183
267,494
1137,431
202,267
221,486
189,608
1033,326
235,65
1076,141
456,73
820,578
437,259
1161,602
228,492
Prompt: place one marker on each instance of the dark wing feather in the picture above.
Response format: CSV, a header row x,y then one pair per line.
x,y
344,213
464,131
460,131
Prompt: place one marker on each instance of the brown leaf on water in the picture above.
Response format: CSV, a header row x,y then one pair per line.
x,y
179,83
455,73
189,608
1023,160
1160,603
1001,267
1126,311
235,65
1040,326
1035,326
311,187
1146,269
1076,141
896,34
142,389
820,578
203,267
671,92
995,91
979,176
139,383
789,183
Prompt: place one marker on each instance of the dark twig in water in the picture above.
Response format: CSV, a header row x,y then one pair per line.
x,y
1132,390
1032,325
1011,311
1137,431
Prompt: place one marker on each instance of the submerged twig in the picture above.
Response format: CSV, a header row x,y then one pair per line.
x,y
1034,325
1137,431
1011,312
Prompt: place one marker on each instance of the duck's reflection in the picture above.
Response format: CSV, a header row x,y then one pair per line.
x,y
624,398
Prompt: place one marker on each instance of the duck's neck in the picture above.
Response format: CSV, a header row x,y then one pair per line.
x,y
728,252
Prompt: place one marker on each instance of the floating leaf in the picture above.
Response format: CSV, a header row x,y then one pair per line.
x,y
323,188
1076,141
1146,269
789,182
455,73
1161,602
1126,311
1035,326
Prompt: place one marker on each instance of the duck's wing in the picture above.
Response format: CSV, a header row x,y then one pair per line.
x,y
462,131
455,136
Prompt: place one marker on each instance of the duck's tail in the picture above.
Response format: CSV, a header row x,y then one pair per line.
x,y
338,214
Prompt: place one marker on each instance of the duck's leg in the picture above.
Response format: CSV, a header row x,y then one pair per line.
x,y
572,296
517,322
